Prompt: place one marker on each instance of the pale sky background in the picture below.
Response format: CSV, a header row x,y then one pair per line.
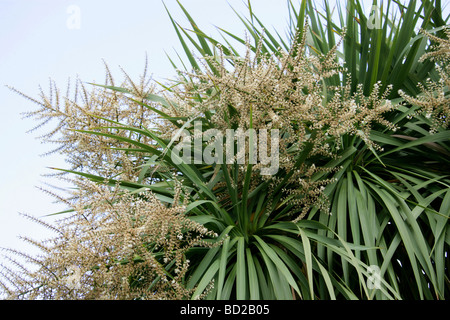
x,y
36,44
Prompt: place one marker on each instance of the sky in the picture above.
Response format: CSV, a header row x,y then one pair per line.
x,y
43,39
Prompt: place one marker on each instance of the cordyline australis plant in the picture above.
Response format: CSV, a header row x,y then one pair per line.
x,y
342,215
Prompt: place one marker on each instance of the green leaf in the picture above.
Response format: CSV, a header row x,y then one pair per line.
x,y
206,279
327,279
252,277
241,277
222,268
308,260
264,248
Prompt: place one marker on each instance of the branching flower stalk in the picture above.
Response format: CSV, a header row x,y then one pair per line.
x,y
115,245
285,92
82,110
434,101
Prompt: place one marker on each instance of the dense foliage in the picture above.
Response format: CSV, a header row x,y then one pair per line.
x,y
355,115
